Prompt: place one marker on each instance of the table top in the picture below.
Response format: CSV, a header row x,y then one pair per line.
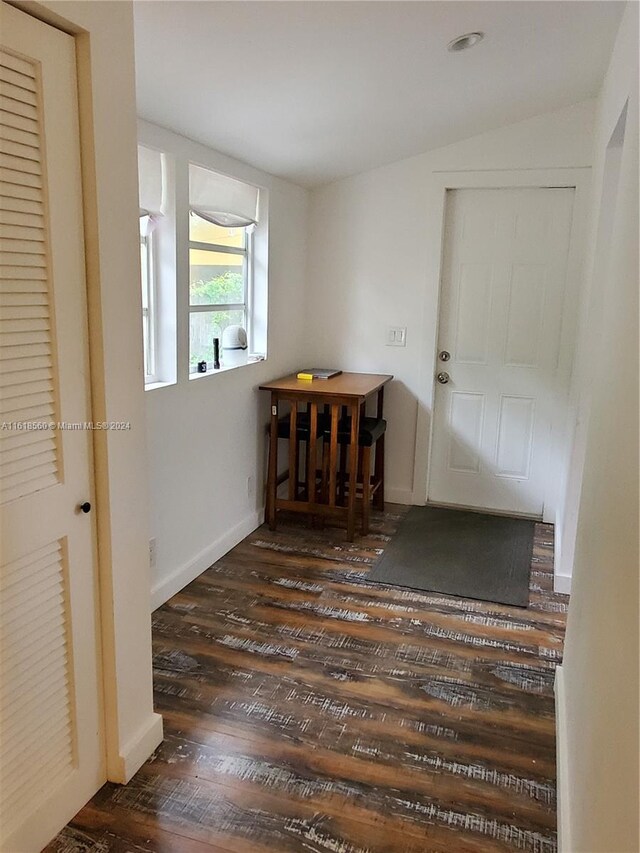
x,y
343,385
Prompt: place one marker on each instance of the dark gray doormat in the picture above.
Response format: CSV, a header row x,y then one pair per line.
x,y
467,554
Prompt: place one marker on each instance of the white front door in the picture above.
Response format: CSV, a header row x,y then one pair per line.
x,y
504,270
51,742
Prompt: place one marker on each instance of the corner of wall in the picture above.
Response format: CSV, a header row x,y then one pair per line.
x,y
164,589
137,750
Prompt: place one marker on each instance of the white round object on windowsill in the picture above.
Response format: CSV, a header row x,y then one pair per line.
x,y
234,346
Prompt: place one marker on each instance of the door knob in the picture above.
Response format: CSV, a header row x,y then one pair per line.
x,y
443,378
85,507
443,355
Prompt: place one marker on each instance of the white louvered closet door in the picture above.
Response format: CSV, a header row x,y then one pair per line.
x,y
51,741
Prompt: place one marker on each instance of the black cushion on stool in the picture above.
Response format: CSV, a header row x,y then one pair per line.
x,y
370,431
303,422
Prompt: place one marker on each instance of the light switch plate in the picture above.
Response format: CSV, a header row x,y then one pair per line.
x,y
396,336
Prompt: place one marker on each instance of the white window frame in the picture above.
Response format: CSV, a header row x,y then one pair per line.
x,y
148,286
245,306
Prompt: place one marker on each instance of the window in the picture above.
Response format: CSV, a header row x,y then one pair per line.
x,y
222,218
147,280
219,272
152,202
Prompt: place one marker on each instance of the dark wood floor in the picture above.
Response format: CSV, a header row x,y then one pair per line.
x,y
307,709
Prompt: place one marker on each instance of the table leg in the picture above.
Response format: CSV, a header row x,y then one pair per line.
x,y
272,479
353,471
378,467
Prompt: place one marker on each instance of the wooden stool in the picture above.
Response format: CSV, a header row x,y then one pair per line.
x,y
371,432
298,488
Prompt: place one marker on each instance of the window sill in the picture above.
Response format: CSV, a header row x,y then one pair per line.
x,y
153,386
225,368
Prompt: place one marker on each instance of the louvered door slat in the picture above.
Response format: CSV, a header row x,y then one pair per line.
x,y
19,135
19,94
26,351
36,566
57,725
16,63
19,191
20,451
12,372
20,177
58,728
21,232
20,163
22,310
19,149
7,300
30,219
22,252
38,668
46,583
24,658
27,278
18,716
18,122
21,79
21,338
15,406
33,479
55,766
30,463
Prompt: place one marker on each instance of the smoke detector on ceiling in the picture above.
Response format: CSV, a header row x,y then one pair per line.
x,y
464,42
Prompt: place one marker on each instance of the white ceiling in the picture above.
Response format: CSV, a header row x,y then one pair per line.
x,y
314,91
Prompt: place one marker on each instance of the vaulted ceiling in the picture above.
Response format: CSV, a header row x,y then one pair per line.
x,y
313,91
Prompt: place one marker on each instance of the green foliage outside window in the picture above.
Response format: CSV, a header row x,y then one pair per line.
x,y
222,289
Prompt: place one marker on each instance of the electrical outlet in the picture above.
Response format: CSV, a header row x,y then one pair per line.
x,y
396,336
152,553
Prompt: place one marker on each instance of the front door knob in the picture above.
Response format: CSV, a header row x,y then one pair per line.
x,y
443,378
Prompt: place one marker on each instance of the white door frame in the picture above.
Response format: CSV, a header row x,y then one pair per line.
x,y
577,178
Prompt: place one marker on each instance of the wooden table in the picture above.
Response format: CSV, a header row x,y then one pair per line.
x,y
350,390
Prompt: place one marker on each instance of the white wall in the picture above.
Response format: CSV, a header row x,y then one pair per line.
x,y
104,38
206,436
369,265
598,714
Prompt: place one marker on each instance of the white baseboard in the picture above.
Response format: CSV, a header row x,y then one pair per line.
x,y
137,750
398,496
562,766
562,584
177,580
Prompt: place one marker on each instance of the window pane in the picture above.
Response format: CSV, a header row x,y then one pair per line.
x,y
206,232
144,281
204,327
216,278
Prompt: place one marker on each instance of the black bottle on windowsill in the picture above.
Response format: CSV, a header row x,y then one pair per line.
x,y
216,353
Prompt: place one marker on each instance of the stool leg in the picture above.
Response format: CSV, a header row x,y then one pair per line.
x,y
353,472
343,475
379,474
293,451
272,481
366,488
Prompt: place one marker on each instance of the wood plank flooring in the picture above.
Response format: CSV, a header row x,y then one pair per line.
x,y
307,709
